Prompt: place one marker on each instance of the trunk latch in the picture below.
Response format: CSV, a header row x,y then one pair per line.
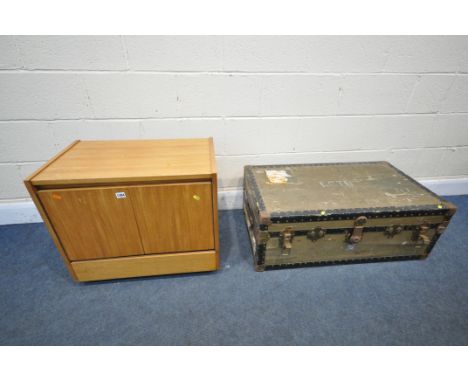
x,y
356,235
421,234
316,233
286,238
393,230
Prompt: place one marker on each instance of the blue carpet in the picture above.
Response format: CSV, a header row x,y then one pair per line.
x,y
396,303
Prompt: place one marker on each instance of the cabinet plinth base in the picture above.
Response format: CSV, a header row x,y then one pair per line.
x,y
145,265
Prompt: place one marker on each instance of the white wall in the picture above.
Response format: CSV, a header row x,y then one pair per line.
x,y
263,99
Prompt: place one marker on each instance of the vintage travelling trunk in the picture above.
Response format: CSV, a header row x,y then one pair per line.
x,y
308,214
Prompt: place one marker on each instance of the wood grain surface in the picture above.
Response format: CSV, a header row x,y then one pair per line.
x,y
92,223
147,265
98,162
165,222
174,217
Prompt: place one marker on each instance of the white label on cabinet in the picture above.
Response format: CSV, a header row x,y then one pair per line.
x,y
120,195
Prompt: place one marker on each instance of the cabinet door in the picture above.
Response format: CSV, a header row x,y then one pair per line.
x,y
93,223
174,217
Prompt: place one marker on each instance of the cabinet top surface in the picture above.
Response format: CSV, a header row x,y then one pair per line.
x,y
133,160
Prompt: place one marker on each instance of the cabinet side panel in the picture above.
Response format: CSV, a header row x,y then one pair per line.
x,y
33,192
214,191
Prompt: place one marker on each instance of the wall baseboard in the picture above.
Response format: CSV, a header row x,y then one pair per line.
x,y
24,211
19,212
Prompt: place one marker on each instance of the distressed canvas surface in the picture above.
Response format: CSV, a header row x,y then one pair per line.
x,y
337,186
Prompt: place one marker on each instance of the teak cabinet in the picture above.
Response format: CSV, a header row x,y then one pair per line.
x,y
118,209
